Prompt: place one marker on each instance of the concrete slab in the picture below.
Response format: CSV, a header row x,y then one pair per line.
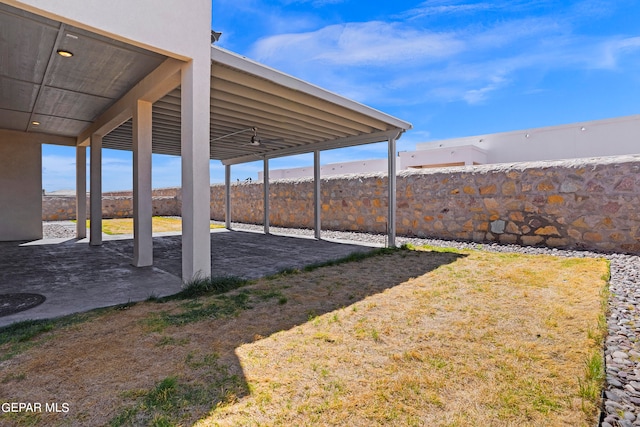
x,y
76,277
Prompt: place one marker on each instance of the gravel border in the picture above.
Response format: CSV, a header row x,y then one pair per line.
x,y
58,229
621,403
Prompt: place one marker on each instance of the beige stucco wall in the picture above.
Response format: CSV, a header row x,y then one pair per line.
x,y
20,191
608,137
175,28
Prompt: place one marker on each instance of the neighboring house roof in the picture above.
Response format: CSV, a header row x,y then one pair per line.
x,y
66,97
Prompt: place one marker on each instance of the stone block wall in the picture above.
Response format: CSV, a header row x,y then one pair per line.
x,y
58,208
587,204
168,192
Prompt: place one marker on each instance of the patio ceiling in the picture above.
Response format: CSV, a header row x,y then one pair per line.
x,y
65,96
290,116
45,93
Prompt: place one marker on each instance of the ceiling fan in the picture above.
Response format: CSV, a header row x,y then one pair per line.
x,y
255,139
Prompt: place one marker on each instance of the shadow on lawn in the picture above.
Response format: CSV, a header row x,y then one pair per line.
x,y
188,348
275,304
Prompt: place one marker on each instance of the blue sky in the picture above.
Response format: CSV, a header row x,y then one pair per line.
x,y
451,68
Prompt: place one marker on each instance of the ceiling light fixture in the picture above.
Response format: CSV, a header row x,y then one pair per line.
x,y
35,123
64,53
254,138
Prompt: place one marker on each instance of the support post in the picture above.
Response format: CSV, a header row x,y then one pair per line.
x,y
227,197
317,199
81,192
142,199
196,193
95,232
265,186
391,218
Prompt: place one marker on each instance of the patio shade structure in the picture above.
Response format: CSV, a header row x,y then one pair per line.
x,y
288,115
291,116
111,94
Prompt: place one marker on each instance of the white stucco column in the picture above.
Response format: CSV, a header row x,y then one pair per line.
x,y
317,200
227,196
81,192
391,219
196,196
95,201
142,200
265,186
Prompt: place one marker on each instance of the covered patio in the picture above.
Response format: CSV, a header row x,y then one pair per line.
x,y
74,276
66,83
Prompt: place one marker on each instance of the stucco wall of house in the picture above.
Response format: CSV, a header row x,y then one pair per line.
x,y
596,138
21,190
179,29
607,137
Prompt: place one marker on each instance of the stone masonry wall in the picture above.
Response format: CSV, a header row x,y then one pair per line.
x,y
589,203
57,208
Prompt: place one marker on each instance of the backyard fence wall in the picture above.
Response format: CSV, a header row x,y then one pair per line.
x,y
118,204
588,203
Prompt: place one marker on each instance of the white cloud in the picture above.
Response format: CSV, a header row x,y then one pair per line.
x,y
58,172
393,63
405,63
359,44
430,8
232,17
54,164
612,51
477,96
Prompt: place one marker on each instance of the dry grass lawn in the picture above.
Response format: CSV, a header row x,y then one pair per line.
x,y
159,224
407,338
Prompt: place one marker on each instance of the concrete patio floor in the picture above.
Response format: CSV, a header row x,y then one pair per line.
x,y
76,277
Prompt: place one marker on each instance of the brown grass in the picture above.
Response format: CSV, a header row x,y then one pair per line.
x,y
159,224
409,338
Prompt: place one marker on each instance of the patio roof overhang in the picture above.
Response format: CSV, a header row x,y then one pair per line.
x,y
290,116
64,82
49,98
